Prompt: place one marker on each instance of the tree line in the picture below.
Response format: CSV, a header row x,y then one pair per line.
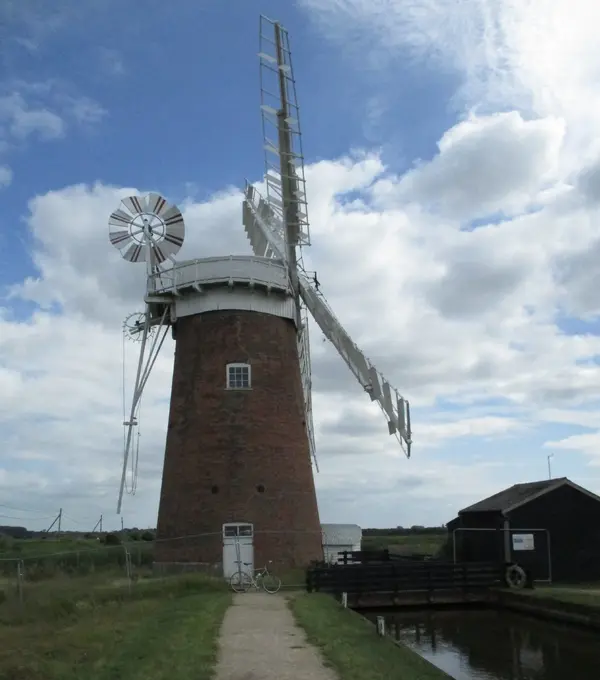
x,y
405,531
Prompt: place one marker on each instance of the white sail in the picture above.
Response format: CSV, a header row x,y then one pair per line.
x,y
393,405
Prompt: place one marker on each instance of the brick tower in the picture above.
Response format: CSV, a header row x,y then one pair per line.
x,y
237,448
237,485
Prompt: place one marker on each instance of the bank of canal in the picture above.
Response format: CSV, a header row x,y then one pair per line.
x,y
491,644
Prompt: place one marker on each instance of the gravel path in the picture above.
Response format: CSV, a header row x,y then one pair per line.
x,y
260,641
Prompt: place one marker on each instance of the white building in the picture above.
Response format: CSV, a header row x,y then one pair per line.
x,y
340,537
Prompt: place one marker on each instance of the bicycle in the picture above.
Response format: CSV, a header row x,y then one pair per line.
x,y
242,581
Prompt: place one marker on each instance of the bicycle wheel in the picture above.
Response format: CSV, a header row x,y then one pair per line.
x,y
240,582
270,583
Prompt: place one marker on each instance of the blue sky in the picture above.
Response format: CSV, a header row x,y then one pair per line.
x,y
180,91
468,249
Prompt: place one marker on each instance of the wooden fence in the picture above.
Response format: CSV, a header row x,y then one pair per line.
x,y
363,556
397,576
369,556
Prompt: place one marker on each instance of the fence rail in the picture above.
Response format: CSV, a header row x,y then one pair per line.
x,y
363,556
384,555
396,576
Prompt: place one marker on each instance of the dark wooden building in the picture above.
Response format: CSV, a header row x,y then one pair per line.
x,y
551,527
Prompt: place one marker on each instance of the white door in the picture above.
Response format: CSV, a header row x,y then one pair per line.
x,y
238,547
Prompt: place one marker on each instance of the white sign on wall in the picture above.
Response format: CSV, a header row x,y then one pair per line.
x,y
523,542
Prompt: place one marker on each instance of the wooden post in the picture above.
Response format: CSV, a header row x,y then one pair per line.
x,y
380,626
429,584
345,600
20,580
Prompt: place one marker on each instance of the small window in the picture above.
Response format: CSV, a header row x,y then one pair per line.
x,y
238,377
235,530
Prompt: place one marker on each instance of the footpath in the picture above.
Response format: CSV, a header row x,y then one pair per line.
x,y
260,640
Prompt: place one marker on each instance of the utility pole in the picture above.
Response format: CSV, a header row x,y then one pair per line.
x,y
121,522
98,524
56,519
550,455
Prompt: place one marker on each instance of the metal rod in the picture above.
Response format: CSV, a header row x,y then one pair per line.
x,y
140,383
154,357
133,407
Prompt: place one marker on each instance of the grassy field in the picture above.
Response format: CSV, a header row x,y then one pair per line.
x,y
45,558
68,553
351,646
19,547
69,629
588,595
425,544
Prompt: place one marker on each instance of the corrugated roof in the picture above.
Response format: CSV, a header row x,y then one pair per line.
x,y
515,495
341,534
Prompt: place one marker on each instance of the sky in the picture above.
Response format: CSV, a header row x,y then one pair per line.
x,y
453,180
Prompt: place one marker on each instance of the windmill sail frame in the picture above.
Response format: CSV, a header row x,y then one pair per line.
x,y
277,226
280,113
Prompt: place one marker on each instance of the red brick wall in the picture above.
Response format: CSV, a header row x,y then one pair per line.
x,y
236,441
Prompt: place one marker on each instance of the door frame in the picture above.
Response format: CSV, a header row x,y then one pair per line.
x,y
247,536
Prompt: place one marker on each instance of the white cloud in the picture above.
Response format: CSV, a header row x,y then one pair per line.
x,y
540,45
582,418
6,176
23,121
588,443
488,426
537,56
415,298
41,111
84,110
486,164
111,62
30,23
471,320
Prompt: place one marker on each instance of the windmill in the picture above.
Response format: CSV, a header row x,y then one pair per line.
x,y
238,483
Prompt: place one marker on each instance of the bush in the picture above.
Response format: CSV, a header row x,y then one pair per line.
x,y
147,536
112,539
6,542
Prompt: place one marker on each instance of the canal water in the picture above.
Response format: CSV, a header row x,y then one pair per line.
x,y
487,644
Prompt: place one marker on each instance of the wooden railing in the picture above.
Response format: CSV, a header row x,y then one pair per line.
x,y
396,576
368,556
363,556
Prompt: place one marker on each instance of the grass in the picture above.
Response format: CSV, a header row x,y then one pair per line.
x,y
36,546
44,558
425,544
349,643
292,578
585,594
166,628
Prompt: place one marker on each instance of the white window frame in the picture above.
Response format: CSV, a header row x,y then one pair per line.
x,y
238,365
